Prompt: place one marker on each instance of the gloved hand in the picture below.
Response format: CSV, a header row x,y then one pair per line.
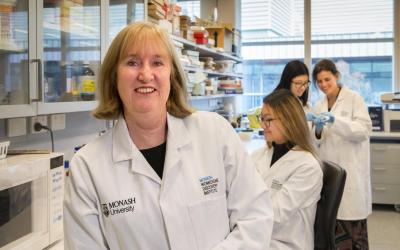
x,y
328,117
319,123
320,120
310,117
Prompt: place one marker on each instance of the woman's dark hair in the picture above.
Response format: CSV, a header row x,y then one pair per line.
x,y
292,69
324,65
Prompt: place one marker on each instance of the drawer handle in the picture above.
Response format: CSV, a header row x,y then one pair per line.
x,y
379,188
380,169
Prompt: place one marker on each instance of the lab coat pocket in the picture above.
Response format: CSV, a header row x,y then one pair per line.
x,y
210,221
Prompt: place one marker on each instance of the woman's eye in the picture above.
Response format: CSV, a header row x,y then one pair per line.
x,y
132,63
158,63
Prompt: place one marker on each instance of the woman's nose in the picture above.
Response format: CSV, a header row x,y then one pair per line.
x,y
145,74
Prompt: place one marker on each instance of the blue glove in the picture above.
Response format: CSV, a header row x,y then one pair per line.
x,y
317,120
310,117
328,117
319,123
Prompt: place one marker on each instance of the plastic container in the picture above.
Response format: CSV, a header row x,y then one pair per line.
x,y
224,66
244,122
87,88
3,149
68,76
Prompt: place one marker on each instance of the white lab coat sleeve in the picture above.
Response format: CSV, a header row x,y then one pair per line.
x,y
359,127
299,191
249,207
81,218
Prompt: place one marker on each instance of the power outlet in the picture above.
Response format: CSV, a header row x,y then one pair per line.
x,y
57,122
16,126
42,119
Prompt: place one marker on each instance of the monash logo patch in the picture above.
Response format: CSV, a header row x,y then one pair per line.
x,y
276,184
209,184
118,206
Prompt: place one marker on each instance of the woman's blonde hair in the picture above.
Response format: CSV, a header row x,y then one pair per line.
x,y
136,35
288,110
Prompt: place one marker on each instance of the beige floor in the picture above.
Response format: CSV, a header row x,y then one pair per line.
x,y
383,229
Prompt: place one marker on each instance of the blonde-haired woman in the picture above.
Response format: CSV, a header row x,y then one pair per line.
x,y
291,171
164,177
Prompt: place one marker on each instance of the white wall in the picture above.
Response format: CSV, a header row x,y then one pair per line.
x,y
80,129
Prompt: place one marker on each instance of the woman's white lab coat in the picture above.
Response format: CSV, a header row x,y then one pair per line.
x,y
295,183
346,142
210,197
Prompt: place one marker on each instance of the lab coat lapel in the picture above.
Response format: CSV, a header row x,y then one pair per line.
x,y
121,142
124,150
283,162
267,163
177,138
324,106
341,97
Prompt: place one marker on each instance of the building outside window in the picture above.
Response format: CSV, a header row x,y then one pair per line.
x,y
357,35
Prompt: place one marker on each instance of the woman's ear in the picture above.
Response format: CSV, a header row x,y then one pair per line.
x,y
337,76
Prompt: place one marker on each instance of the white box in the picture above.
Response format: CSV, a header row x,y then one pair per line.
x,y
16,126
57,122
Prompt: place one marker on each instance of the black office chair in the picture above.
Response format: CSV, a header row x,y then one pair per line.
x,y
327,207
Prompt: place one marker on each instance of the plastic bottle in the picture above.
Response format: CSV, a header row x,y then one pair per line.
x,y
68,76
244,122
87,88
66,167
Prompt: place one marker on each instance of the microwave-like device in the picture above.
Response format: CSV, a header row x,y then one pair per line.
x,y
31,201
391,120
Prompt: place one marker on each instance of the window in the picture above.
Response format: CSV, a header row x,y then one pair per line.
x,y
272,35
357,34
190,8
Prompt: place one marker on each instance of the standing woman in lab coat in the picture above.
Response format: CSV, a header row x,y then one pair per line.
x,y
346,142
165,177
296,78
290,169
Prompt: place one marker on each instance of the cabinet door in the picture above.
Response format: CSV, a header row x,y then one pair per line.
x,y
17,70
123,12
69,45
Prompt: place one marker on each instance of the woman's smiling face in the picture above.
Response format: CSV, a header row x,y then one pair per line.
x,y
144,78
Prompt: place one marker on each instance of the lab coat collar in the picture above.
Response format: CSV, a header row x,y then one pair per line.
x,y
342,96
342,93
177,137
124,148
122,145
286,161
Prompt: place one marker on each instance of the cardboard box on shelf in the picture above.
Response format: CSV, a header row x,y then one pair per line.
x,y
152,19
156,2
236,42
156,11
222,36
186,34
